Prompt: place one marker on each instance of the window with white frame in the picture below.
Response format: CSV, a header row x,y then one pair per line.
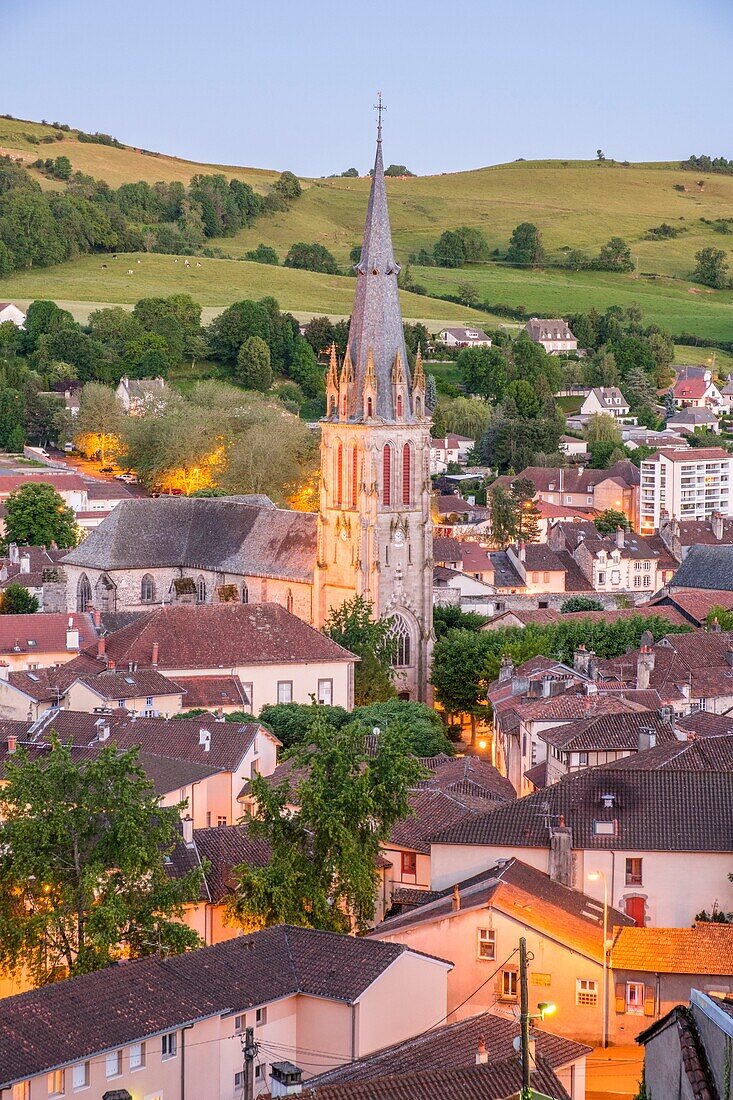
x,y
149,701
114,1063
325,692
508,985
56,1083
485,943
169,1045
239,1082
240,1022
586,992
635,998
137,1055
285,691
80,1076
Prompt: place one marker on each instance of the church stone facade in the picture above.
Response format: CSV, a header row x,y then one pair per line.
x,y
373,531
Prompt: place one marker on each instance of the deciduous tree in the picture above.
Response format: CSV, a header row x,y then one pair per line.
x,y
35,515
354,628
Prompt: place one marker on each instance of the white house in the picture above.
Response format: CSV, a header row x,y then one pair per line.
x,y
605,399
464,338
138,395
697,391
448,449
552,333
10,312
569,445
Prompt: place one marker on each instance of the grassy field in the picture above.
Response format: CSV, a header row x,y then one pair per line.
x,y
690,356
576,205
216,283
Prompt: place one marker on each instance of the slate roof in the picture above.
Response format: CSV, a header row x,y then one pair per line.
x,y
706,567
452,1046
610,397
676,811
505,575
217,534
45,630
548,328
497,1080
375,331
212,636
525,894
127,1002
707,948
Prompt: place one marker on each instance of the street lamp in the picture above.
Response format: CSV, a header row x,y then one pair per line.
x,y
595,876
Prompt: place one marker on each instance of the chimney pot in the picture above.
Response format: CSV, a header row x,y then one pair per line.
x,y
154,661
97,617
101,647
482,1054
12,743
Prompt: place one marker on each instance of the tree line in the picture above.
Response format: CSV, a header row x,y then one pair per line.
x,y
41,228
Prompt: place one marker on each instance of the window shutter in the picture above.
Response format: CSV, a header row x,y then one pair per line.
x,y
620,997
648,1000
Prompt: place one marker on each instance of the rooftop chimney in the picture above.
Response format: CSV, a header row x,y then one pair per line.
x,y
644,667
620,538
205,739
72,638
14,553
506,668
12,743
154,660
103,733
647,738
582,659
286,1079
101,647
97,617
522,550
482,1054
716,522
111,665
456,898
187,823
25,564
561,854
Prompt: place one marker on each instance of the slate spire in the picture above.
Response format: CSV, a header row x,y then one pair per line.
x,y
376,319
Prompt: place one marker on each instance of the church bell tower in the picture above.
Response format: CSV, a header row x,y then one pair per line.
x,y
374,527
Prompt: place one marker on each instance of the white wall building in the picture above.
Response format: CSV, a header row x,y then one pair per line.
x,y
10,312
687,483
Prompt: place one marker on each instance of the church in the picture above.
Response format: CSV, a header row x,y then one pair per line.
x,y
372,535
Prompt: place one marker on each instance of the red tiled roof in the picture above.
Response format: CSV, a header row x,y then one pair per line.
x,y
112,685
690,389
221,636
61,482
705,949
493,1081
46,630
211,692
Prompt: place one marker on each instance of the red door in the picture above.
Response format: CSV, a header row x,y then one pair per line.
x,y
635,909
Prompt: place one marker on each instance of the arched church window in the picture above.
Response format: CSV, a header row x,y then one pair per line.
x,y
387,475
147,589
354,476
402,642
369,407
339,473
418,406
406,473
83,593
245,594
289,601
333,406
200,589
399,404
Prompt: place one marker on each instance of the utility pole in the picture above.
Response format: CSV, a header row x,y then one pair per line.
x,y
249,1050
524,1019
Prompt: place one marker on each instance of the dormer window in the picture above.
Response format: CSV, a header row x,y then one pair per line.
x,y
604,828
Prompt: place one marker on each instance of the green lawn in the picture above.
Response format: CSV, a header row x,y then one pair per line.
x,y
217,283
691,356
676,305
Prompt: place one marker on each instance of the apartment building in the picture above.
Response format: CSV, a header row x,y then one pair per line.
x,y
686,484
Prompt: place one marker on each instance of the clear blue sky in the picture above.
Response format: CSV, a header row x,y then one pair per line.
x,y
291,83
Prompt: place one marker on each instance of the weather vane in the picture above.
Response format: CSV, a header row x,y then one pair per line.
x,y
379,108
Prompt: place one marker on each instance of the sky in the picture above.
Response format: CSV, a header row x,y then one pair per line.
x,y
290,84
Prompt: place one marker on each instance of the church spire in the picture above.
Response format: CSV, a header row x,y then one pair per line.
x,y
376,320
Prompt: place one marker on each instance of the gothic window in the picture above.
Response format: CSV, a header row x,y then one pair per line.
x,y
406,473
339,473
418,406
369,407
200,590
83,593
354,476
399,404
387,475
245,594
289,601
401,654
333,406
147,589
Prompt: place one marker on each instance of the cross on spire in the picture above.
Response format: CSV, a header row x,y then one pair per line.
x,y
379,108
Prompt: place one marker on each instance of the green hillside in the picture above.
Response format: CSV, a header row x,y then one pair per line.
x,y
576,205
